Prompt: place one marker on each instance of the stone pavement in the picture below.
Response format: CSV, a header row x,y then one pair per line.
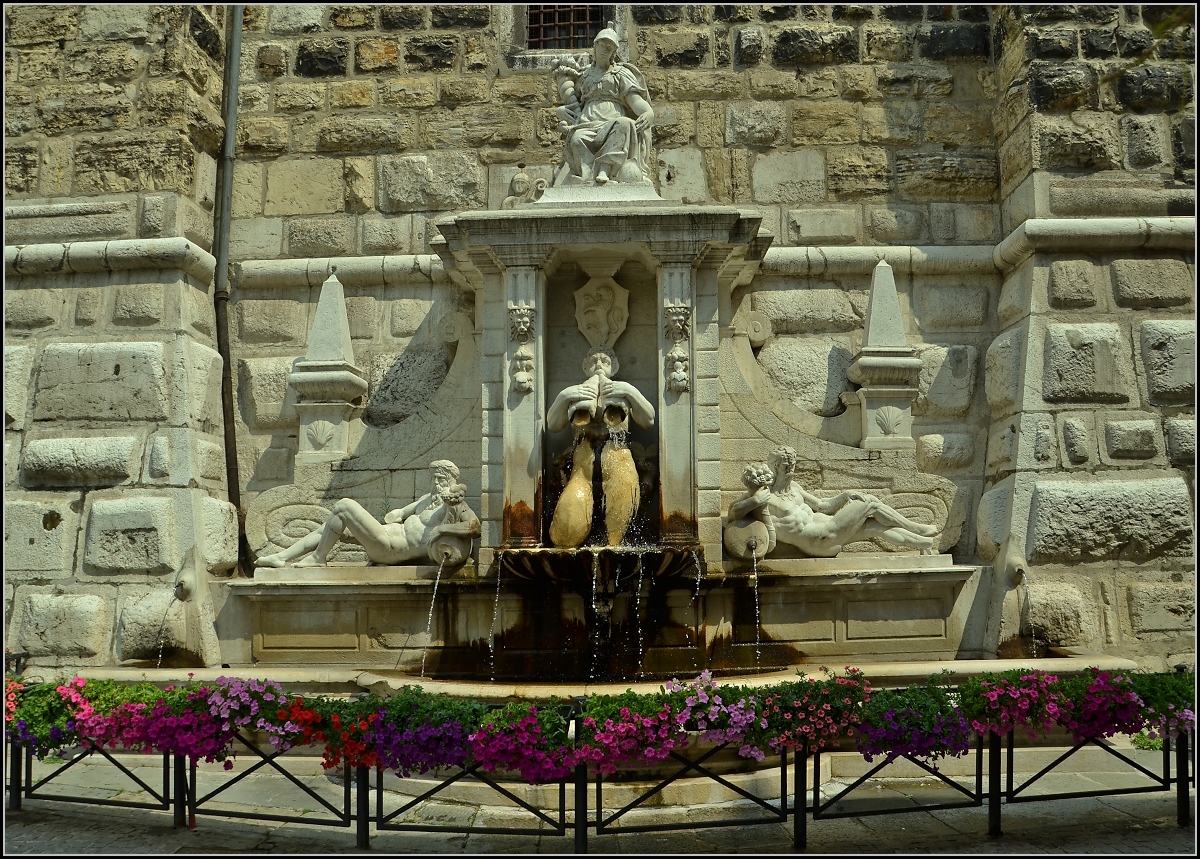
x,y
1132,823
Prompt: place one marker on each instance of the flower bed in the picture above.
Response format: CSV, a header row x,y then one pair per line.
x,y
414,731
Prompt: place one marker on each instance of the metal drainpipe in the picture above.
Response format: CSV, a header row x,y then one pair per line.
x,y
229,105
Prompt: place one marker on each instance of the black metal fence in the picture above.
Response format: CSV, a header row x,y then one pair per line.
x,y
179,792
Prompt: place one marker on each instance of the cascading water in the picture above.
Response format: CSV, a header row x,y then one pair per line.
x,y
757,619
429,622
637,613
696,611
162,640
495,616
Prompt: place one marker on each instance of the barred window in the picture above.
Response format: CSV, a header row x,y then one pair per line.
x,y
563,26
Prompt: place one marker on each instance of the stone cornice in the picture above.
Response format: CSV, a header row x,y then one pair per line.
x,y
1095,235
351,271
114,255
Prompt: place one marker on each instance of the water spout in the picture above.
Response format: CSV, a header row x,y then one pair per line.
x,y
495,615
429,622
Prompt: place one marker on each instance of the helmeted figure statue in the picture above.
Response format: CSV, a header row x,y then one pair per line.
x,y
606,117
438,527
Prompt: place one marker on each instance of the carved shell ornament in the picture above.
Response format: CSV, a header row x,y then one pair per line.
x,y
888,419
320,434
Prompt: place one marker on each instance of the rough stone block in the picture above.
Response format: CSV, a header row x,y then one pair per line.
x,y
271,321
351,94
1181,442
31,308
1154,87
945,451
888,43
964,307
1085,363
1130,520
1078,444
256,238
138,304
415,91
351,134
947,381
806,46
681,48
385,236
87,306
98,23
103,381
1132,439
92,461
925,176
858,172
957,124
267,401
64,625
320,58
753,123
810,371
1147,141
131,535
18,364
313,237
681,176
798,311
914,81
409,314
893,123
897,225
429,53
403,17
824,226
39,534
1083,141
182,457
295,20
749,45
1059,614
825,122
150,623
772,84
1073,283
267,135
1162,607
308,186
475,126
443,180
789,177
220,524
1002,370
1142,283
1169,355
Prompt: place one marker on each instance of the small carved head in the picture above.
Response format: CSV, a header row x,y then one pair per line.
x,y
601,360
523,382
444,473
783,460
757,475
520,322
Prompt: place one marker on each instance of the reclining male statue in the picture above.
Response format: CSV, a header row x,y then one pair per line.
x,y
438,527
777,510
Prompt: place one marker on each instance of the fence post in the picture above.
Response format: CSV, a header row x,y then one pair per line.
x,y
180,798
362,778
1183,807
994,789
800,797
15,788
581,812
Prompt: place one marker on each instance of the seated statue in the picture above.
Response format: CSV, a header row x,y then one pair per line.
x,y
776,510
598,410
606,117
438,527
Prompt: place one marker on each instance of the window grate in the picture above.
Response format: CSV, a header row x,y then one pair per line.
x,y
564,26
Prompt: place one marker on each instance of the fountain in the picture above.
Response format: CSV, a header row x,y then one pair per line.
x,y
611,547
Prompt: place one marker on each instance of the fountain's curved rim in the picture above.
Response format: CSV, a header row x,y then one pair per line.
x,y
349,680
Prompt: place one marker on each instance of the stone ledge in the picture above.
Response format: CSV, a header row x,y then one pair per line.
x,y
115,255
366,271
273,580
1098,235
854,565
859,259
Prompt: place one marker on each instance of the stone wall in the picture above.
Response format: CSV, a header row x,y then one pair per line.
x,y
1028,172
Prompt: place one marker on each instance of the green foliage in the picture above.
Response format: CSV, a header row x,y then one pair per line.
x,y
412,706
42,719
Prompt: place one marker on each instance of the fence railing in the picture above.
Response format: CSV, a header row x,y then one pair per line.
x,y
180,779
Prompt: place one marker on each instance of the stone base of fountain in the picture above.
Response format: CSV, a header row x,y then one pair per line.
x,y
600,614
